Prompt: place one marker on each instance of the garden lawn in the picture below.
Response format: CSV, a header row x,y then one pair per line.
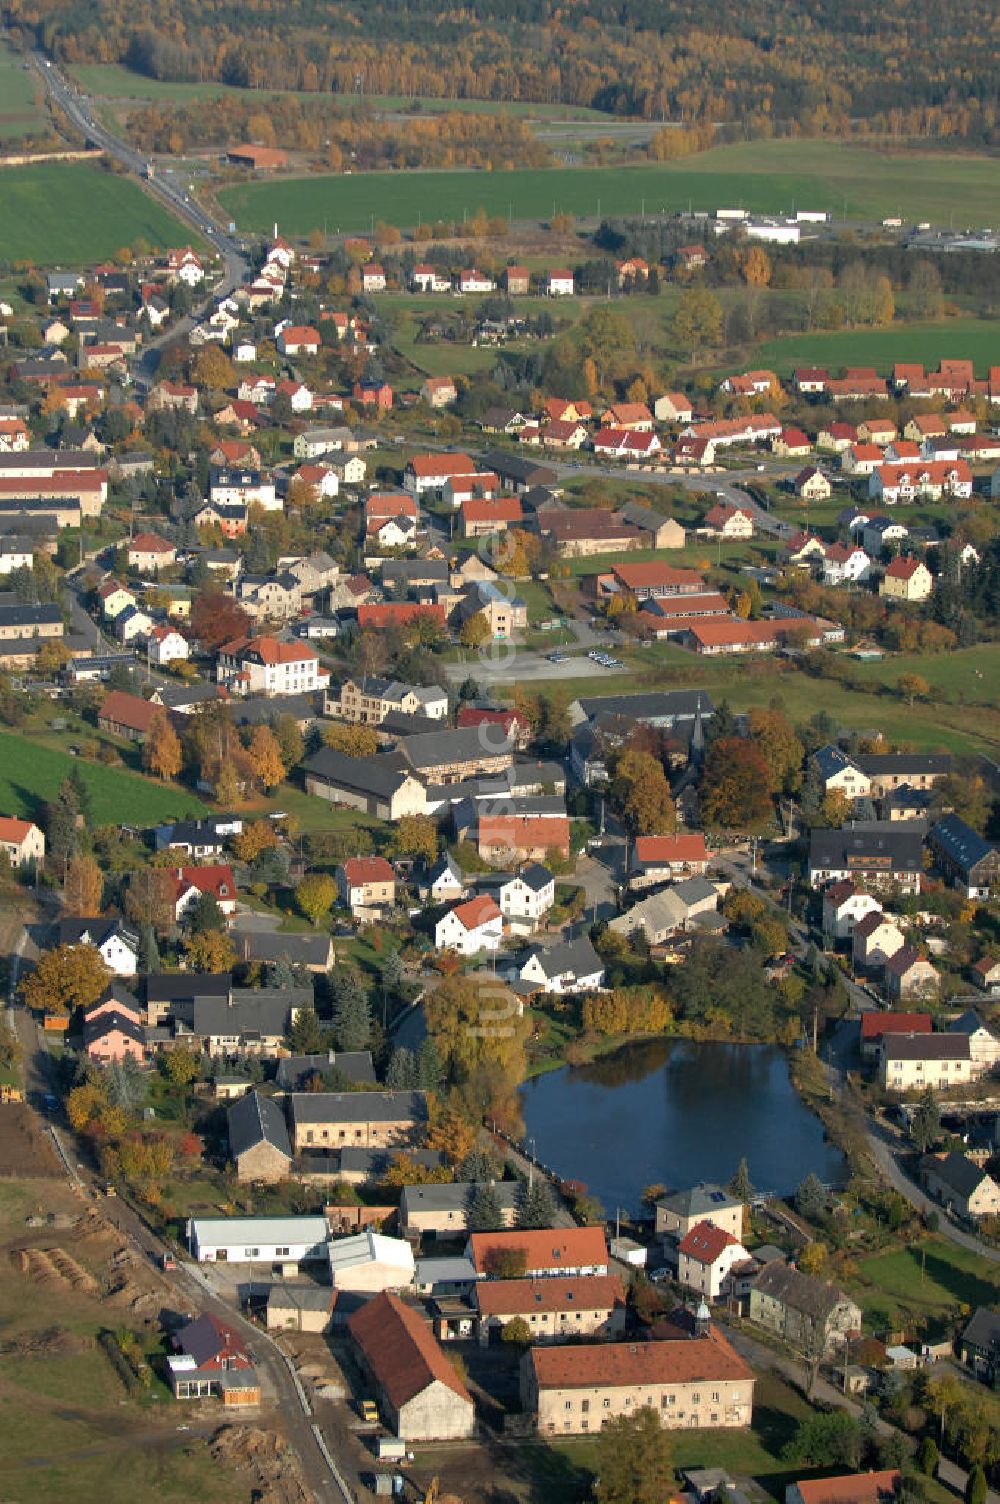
x,y
71,213
766,177
30,775
970,339
925,1279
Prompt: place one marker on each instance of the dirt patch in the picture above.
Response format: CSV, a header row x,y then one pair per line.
x,y
26,1152
48,1342
267,1458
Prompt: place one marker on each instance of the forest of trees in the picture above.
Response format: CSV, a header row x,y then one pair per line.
x,y
826,67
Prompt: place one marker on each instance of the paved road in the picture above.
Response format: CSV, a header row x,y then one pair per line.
x,y
77,107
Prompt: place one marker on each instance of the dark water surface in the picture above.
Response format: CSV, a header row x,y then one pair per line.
x,y
675,1112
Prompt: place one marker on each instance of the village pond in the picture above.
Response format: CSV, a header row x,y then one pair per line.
x,y
675,1112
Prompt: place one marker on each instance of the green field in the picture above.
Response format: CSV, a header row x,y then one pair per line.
x,y
30,774
771,177
113,81
70,213
969,339
22,110
928,1279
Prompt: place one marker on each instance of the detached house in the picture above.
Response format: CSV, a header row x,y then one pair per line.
x,y
661,859
913,1062
21,841
190,883
806,1312
960,1185
115,941
367,885
470,927
908,976
706,1257
211,1360
527,896
268,666
571,966
971,863
148,553
906,579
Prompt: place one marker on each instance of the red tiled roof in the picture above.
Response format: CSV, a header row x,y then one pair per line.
x,y
652,572
150,543
875,1024
368,869
216,879
476,912
14,830
902,569
544,1248
423,465
522,1297
397,613
705,1243
268,650
524,832
492,509
127,710
850,1488
626,1364
682,848
401,1351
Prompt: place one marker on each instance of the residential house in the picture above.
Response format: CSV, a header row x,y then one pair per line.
x,y
875,939
115,941
559,283
979,1344
661,859
682,1211
960,1185
417,1388
693,1382
299,339
839,773
971,863
986,975
470,927
873,853
914,1062
259,1145
548,1251
846,563
889,771
164,644
906,579
454,756
570,966
526,897
367,885
441,1211
706,1257
269,666
673,407
879,534
589,530
439,391
555,1309
22,842
211,1360
215,880
907,976
806,1312
113,1031
369,701
149,553
517,281
507,839
725,520
876,1024
325,1120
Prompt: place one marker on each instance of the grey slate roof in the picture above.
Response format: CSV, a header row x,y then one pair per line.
x,y
968,1022
699,1200
294,1070
983,1330
830,760
925,1046
578,956
660,705
186,986
834,850
254,1011
358,1106
799,1292
455,1196
94,932
912,764
959,843
379,776
535,876
276,945
958,1173
429,749
254,1119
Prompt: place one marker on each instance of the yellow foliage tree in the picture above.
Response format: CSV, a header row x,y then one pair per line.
x,y
265,757
66,977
